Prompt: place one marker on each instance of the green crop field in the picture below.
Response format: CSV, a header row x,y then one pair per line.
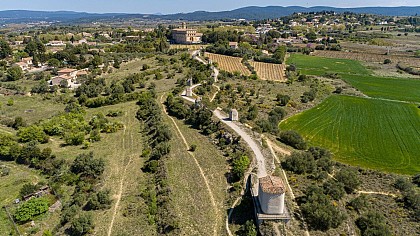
x,y
358,76
312,65
364,132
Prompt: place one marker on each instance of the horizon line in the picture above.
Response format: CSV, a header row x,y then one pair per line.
x,y
157,13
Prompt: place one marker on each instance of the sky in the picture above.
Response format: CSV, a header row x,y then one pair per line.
x,y
175,6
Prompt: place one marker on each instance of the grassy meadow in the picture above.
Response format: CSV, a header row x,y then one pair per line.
x,y
364,132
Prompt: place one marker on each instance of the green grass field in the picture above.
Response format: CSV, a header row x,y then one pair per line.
x,y
358,76
364,132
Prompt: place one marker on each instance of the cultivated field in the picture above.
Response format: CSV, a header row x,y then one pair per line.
x,y
269,71
367,57
364,132
358,76
229,64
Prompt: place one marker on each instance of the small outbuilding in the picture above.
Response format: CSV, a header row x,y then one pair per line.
x,y
271,193
189,92
234,115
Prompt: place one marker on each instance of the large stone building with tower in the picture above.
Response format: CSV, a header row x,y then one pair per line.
x,y
184,35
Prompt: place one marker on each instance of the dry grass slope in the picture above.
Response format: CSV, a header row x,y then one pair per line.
x,y
190,199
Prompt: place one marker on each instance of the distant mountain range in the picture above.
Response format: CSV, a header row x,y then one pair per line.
x,y
248,13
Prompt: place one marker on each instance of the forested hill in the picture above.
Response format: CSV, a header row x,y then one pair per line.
x,y
270,12
249,13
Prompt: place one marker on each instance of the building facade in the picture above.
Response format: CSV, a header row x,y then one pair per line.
x,y
184,35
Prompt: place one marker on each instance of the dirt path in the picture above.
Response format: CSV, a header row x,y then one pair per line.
x,y
261,171
206,181
214,95
378,193
122,181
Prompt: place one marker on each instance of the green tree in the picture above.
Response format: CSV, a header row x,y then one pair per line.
x,y
82,225
53,62
240,165
300,163
27,189
5,49
87,166
293,139
280,54
32,133
14,73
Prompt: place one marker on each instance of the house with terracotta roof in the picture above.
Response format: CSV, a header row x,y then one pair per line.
x,y
25,64
22,65
72,73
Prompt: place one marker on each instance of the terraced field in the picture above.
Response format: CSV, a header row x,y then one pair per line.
x,y
270,71
229,64
364,132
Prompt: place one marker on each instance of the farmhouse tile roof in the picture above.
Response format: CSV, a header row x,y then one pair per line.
x,y
272,185
67,70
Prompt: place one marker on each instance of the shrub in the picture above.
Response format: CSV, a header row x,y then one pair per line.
x,y
334,189
283,99
74,138
349,178
359,203
372,224
100,200
32,133
387,61
300,163
403,184
10,102
416,180
293,139
193,147
19,122
319,211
